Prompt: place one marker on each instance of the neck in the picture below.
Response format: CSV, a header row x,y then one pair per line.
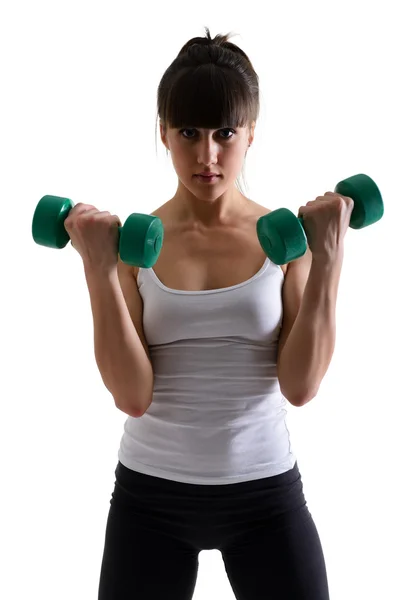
x,y
208,211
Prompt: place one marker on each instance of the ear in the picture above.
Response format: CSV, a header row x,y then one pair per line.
x,y
163,134
251,132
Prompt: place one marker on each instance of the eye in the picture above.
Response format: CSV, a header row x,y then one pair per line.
x,y
191,137
232,131
182,131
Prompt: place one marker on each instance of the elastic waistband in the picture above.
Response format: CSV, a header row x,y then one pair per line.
x,y
132,480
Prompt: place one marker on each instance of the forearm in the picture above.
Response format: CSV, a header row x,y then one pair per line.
x,y
121,359
309,348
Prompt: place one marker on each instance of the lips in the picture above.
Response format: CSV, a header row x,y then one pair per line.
x,y
208,180
208,174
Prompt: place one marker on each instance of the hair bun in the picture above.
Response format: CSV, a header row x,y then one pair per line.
x,y
218,40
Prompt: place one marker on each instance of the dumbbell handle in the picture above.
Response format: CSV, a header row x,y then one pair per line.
x,y
301,219
69,210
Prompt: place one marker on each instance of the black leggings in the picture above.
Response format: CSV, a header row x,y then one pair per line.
x,y
263,529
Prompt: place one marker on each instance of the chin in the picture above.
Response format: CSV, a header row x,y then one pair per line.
x,y
207,190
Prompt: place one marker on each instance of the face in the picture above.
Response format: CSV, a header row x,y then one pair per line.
x,y
220,151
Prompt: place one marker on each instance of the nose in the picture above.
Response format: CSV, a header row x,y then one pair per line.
x,y
207,152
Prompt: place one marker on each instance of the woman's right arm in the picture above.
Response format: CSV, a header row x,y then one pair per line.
x,y
121,351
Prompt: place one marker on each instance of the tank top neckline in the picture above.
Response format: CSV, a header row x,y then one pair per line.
x,y
159,283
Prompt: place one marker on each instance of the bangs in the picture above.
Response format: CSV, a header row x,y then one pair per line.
x,y
208,97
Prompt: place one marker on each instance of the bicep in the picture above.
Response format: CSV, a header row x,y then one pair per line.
x,y
292,294
133,300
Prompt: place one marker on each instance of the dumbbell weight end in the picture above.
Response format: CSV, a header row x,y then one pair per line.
x,y
48,222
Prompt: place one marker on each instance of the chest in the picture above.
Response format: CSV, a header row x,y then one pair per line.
x,y
197,260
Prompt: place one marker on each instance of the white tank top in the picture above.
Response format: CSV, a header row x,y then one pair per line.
x,y
218,415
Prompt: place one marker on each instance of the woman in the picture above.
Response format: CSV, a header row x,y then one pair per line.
x,y
203,351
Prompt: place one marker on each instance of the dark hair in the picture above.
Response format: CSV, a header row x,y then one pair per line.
x,y
210,84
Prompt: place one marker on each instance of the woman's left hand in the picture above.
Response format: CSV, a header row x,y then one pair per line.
x,y
326,220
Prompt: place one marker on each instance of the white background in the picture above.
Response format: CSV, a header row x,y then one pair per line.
x,y
78,115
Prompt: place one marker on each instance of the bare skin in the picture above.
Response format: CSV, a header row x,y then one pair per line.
x,y
197,258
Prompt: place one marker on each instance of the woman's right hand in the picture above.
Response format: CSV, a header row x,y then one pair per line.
x,y
94,234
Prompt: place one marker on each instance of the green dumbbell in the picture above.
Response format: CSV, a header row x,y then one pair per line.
x,y
281,233
140,241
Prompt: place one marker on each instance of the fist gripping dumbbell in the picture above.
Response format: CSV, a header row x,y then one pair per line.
x,y
140,241
281,233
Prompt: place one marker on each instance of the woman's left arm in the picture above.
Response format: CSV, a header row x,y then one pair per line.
x,y
308,332
308,341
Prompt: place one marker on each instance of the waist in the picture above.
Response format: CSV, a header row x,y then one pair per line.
x,y
228,441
